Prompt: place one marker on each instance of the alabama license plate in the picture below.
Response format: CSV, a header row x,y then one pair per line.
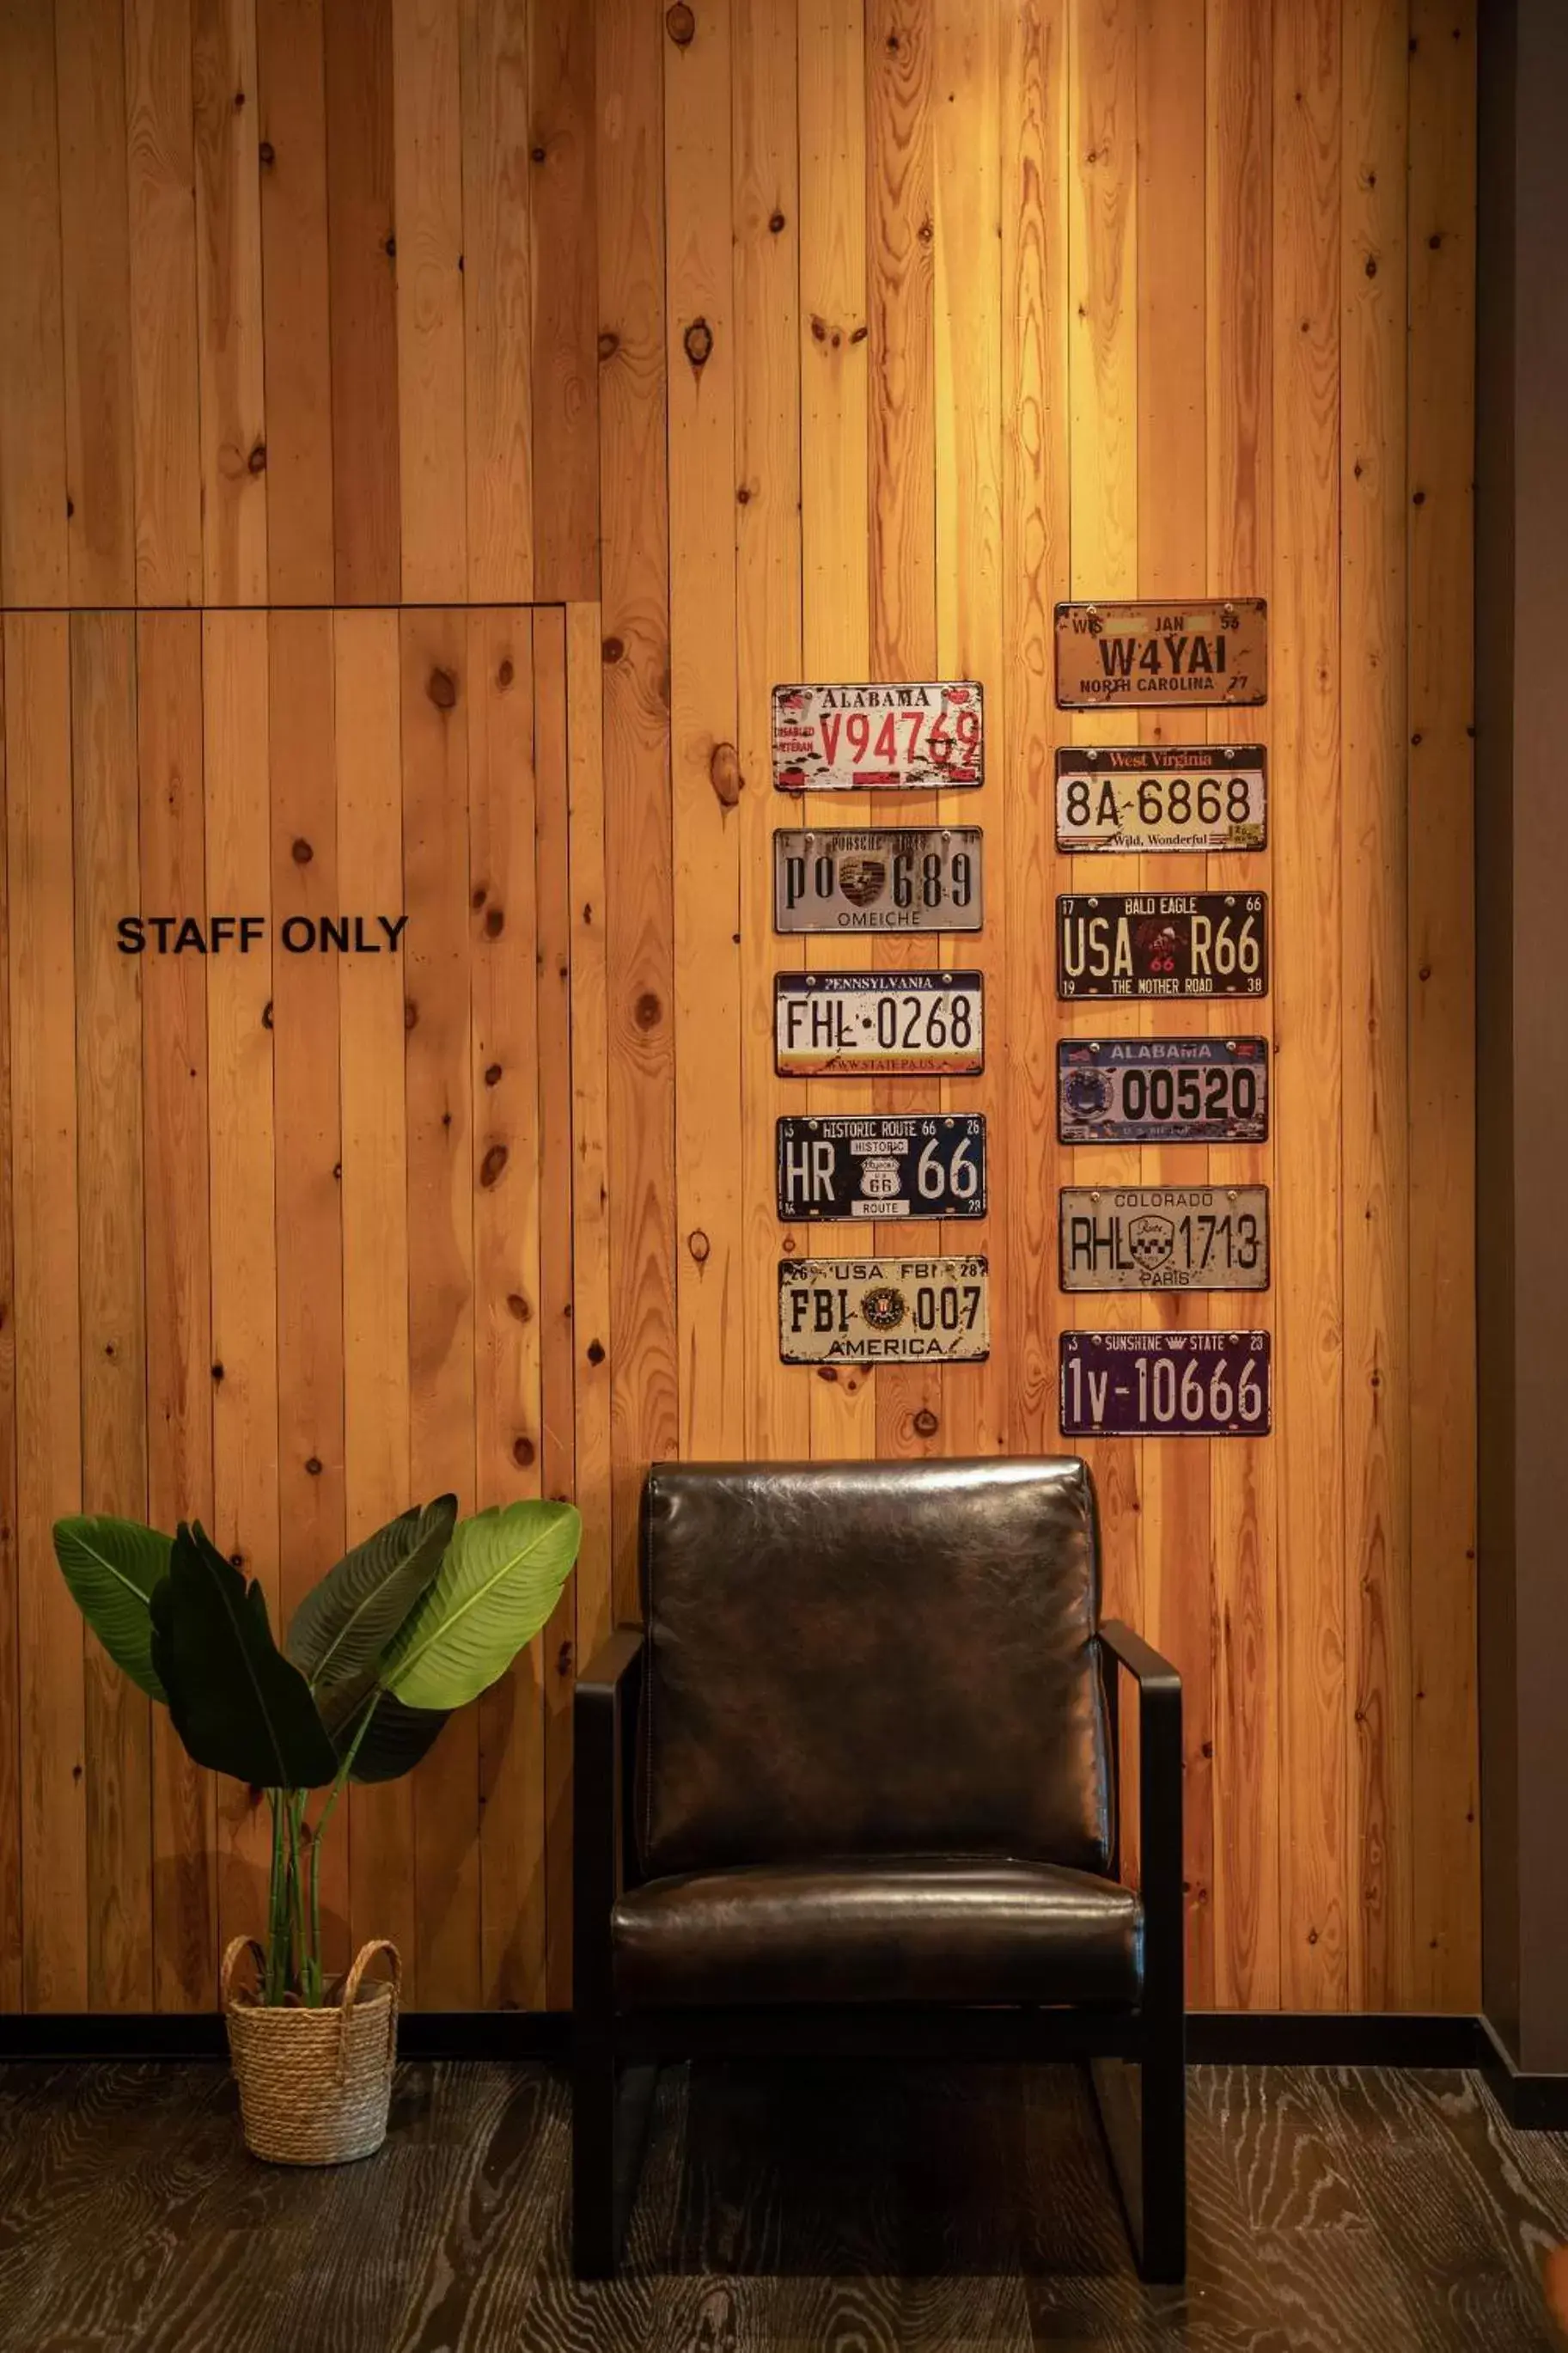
x,y
932,1167
1165,1237
1162,1090
1166,1385
883,1311
1157,796
857,739
849,1025
884,880
1163,944
1148,657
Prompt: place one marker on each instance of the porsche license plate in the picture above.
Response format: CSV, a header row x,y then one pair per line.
x,y
882,1167
883,738
1156,797
884,880
1147,657
883,1311
1165,1237
848,1025
1163,944
1166,1385
1162,1090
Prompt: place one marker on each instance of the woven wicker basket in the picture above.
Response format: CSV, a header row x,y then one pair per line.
x,y
314,2084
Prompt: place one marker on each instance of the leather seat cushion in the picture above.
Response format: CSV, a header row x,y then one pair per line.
x,y
917,1928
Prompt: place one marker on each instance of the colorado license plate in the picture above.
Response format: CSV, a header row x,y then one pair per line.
x,y
876,1167
1165,1237
1156,796
858,1311
1162,1090
1166,1385
848,1025
1163,944
885,880
856,739
1145,657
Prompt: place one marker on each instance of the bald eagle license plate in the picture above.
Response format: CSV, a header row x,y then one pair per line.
x,y
883,1311
1165,1237
883,880
1163,944
851,1025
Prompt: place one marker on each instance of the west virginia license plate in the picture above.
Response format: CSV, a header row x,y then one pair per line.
x,y
1166,1385
1145,657
884,880
932,1167
1163,944
858,1311
881,739
1158,796
1165,1237
1162,1090
848,1025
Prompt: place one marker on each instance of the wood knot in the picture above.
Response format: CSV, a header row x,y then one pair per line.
x,y
517,1308
504,676
492,1074
858,334
302,851
611,649
681,25
648,1011
442,689
256,461
926,1423
495,923
266,155
925,232
313,1466
523,1451
1372,265
596,1352
217,1372
818,328
697,340
697,1243
609,344
536,154
775,222
492,1164
265,1019
390,246
724,773
410,1014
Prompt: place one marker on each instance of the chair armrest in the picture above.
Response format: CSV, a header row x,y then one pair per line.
x,y
602,1709
1160,1812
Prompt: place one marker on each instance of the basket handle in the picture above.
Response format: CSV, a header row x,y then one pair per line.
x,y
236,1945
360,1963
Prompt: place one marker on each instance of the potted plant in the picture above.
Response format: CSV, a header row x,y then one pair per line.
x,y
414,1622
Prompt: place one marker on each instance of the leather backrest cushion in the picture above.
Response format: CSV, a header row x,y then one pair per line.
x,y
868,1658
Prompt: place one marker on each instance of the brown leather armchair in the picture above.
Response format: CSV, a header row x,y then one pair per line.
x,y
852,1788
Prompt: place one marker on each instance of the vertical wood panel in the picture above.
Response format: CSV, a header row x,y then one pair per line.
x,y
565,360
498,298
590,1125
428,147
291,77
229,302
34,558
363,293
160,168
11,1930
89,54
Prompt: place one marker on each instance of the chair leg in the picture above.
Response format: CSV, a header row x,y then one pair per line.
x,y
1143,2111
596,2241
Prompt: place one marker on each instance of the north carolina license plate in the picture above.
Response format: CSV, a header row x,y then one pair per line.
x,y
1163,944
1144,656
1166,1385
883,1311
884,880
1156,796
857,739
1162,1090
847,1025
1165,1237
882,1167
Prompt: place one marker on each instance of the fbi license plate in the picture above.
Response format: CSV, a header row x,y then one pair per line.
x,y
883,1311
1165,1237
884,880
1154,797
883,1168
857,739
1147,657
1163,944
850,1025
1162,1090
1166,1385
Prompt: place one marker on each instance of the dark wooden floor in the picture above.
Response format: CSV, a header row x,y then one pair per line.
x,y
864,2210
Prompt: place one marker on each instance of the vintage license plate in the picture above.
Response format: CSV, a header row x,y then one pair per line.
x,y
1154,797
883,1311
848,1025
932,1167
884,880
1162,1090
1163,944
1165,1237
1146,656
857,739
1166,1385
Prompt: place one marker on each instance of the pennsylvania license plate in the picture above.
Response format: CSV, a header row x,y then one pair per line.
x,y
882,739
1162,1090
1165,1237
1157,796
1163,944
1146,656
883,1311
850,1025
1166,1385
885,880
876,1167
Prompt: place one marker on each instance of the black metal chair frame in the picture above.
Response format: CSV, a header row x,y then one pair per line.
x,y
1135,2059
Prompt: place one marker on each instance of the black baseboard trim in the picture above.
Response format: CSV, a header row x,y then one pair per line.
x,y
1531,2102
514,2034
1295,2038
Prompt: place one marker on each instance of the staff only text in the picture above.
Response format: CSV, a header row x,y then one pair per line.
x,y
298,935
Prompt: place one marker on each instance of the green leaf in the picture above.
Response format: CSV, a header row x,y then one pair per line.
x,y
503,1572
395,1739
237,1703
112,1566
345,1623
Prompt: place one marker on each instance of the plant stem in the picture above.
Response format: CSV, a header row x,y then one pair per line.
x,y
271,1991
340,1781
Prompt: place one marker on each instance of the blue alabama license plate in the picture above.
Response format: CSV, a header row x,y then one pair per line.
x,y
1162,1090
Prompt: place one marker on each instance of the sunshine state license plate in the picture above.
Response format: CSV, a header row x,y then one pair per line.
x,y
882,739
883,1311
1165,1237
849,1025
884,880
1162,1090
1156,797
1166,1385
1163,944
932,1167
1145,657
